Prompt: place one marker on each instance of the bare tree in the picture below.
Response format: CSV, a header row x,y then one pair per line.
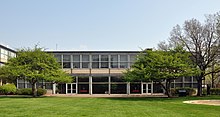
x,y
201,40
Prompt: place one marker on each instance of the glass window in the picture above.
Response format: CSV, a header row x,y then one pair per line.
x,y
123,58
95,64
95,61
66,65
66,58
95,57
104,64
114,64
85,57
123,65
58,57
76,65
104,57
100,79
85,64
76,58
132,58
114,58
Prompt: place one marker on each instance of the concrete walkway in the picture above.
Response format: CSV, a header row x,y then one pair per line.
x,y
107,95
206,102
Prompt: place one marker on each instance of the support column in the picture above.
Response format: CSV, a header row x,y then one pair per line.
x,y
76,84
54,88
152,88
141,87
109,85
128,88
90,85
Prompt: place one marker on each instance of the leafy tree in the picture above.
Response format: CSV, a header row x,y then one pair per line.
x,y
34,65
160,66
201,40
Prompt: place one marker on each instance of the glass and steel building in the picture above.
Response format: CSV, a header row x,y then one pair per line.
x,y
5,54
96,72
101,72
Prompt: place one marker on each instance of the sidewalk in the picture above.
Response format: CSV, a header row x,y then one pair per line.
x,y
107,95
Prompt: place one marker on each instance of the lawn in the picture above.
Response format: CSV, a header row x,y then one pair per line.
x,y
105,107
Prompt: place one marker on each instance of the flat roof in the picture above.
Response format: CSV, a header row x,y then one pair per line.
x,y
91,51
7,48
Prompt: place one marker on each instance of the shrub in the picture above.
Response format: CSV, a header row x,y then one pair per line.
x,y
215,91
189,91
8,89
28,91
41,91
204,91
24,91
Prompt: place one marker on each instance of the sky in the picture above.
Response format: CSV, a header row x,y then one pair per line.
x,y
96,24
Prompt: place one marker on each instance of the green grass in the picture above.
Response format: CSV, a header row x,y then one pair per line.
x,y
105,107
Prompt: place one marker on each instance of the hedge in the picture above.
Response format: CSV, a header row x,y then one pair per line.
x,y
189,91
8,89
28,91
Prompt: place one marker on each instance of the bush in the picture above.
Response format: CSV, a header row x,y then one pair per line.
x,y
204,91
41,91
189,91
8,89
28,91
24,91
215,91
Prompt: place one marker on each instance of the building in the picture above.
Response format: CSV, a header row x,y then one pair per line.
x,y
97,72
100,72
5,54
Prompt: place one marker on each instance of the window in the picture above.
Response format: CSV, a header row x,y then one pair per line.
x,y
58,57
104,61
123,61
66,61
95,61
76,61
85,61
114,61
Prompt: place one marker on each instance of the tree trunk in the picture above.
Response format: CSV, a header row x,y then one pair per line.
x,y
34,88
166,88
199,86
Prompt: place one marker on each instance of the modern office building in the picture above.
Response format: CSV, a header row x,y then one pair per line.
x,y
96,72
101,72
5,54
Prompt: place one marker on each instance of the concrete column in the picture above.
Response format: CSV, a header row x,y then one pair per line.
x,y
152,87
54,88
141,87
25,84
90,85
76,84
128,88
109,85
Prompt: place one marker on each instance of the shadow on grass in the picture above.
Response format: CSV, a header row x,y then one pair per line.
x,y
20,96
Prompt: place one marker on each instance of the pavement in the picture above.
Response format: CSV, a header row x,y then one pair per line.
x,y
107,95
205,102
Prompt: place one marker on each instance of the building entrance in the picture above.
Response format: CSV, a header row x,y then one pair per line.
x,y
147,88
71,88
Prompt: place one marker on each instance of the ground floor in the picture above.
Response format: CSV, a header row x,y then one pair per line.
x,y
109,85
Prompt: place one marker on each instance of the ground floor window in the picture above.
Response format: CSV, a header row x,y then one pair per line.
x,y
118,88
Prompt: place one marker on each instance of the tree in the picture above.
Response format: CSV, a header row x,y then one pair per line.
x,y
160,66
201,40
34,65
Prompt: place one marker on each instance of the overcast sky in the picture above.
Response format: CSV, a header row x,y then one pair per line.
x,y
96,24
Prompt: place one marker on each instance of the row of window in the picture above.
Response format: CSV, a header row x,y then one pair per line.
x,y
5,54
96,64
96,61
95,58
